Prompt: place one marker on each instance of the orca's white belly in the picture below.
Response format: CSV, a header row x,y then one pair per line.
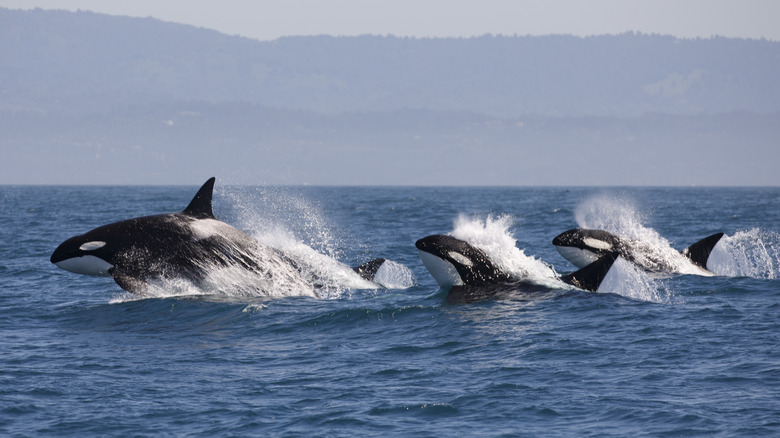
x,y
442,271
576,256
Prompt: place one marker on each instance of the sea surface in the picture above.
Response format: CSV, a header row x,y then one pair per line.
x,y
672,355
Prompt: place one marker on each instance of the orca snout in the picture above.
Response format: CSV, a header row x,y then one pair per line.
x,y
64,251
426,244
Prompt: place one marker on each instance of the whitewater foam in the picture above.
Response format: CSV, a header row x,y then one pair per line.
x,y
298,229
628,280
750,253
493,236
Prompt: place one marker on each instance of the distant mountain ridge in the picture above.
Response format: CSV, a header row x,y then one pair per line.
x,y
87,98
85,62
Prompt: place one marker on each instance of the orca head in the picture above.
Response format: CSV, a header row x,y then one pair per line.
x,y
582,247
453,262
128,245
88,254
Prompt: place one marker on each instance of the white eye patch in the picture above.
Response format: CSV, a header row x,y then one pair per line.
x,y
596,243
460,258
91,246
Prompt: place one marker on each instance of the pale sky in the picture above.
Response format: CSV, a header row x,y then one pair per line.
x,y
271,19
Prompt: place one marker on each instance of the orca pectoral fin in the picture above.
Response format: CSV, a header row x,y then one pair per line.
x,y
590,277
128,282
700,251
368,270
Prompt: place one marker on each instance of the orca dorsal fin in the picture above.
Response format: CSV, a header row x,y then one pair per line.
x,y
368,270
200,206
590,277
700,251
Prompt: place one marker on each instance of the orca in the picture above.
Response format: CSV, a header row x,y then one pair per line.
x,y
470,275
189,245
583,246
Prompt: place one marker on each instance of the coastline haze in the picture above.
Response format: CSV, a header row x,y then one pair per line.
x,y
754,19
154,102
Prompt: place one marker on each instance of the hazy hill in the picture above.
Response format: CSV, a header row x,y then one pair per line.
x,y
85,62
96,99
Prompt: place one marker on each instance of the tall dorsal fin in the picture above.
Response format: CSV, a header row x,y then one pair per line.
x,y
368,270
200,206
700,251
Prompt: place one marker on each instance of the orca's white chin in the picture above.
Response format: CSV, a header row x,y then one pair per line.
x,y
86,265
576,256
441,270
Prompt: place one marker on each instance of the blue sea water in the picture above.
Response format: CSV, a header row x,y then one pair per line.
x,y
675,355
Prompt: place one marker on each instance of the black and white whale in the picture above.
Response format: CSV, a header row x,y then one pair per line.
x,y
191,245
470,275
583,246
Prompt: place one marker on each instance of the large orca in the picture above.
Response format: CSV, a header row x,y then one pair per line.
x,y
470,275
583,246
190,244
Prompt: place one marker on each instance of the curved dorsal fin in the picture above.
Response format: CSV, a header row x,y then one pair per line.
x,y
368,270
700,251
200,206
590,277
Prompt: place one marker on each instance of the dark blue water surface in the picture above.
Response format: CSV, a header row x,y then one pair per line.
x,y
680,355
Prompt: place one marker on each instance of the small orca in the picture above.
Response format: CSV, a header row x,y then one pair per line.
x,y
470,275
188,244
582,246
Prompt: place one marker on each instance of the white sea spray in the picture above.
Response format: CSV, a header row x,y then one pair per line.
x,y
493,235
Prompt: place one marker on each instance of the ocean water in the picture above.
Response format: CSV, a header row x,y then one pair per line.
x,y
673,355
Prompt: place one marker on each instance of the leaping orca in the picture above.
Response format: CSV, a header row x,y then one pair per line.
x,y
188,245
582,246
470,275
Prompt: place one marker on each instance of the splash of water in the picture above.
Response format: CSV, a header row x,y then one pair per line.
x,y
628,280
255,271
616,214
265,211
393,275
493,236
752,253
297,228
329,275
